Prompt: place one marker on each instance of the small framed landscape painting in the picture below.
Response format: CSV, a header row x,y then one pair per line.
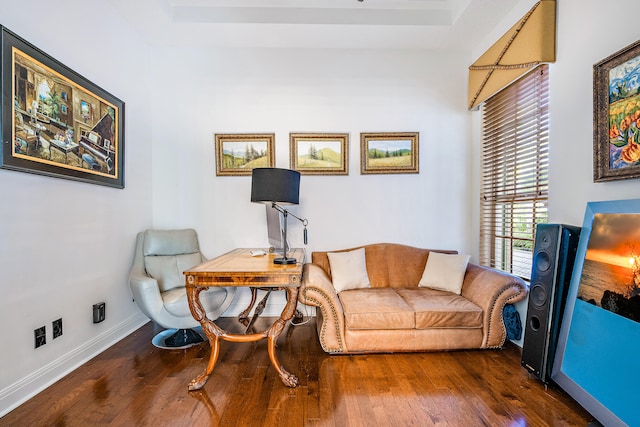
x,y
616,111
389,152
319,153
238,153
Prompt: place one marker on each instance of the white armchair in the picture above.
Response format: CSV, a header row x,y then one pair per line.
x,y
157,283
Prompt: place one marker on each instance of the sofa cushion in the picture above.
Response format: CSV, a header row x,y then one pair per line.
x,y
444,272
440,309
388,264
348,270
376,308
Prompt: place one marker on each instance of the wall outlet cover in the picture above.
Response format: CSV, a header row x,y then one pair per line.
x,y
57,328
99,312
40,335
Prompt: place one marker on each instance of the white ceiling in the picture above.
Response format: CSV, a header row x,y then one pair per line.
x,y
396,24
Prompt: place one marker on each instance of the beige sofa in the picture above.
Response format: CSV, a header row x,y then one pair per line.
x,y
394,314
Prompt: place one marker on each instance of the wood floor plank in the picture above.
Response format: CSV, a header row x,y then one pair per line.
x,y
135,384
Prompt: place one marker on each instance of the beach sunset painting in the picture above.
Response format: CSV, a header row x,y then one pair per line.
x,y
611,272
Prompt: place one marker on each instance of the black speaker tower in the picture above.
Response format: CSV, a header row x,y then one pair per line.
x,y
554,254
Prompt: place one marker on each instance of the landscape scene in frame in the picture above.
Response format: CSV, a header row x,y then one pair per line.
x,y
245,154
319,154
389,153
238,154
611,272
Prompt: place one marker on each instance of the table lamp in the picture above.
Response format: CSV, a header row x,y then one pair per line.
x,y
278,187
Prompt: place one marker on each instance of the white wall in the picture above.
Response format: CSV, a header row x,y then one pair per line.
x,y
200,92
585,36
65,245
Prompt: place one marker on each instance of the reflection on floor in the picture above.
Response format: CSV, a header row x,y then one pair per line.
x,y
135,383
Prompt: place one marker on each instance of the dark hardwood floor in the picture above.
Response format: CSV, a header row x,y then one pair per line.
x,y
135,384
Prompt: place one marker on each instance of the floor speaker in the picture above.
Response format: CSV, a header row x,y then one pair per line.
x,y
554,254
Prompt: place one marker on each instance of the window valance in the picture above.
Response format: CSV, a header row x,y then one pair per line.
x,y
528,43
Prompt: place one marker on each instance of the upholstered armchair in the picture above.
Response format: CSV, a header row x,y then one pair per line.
x,y
157,283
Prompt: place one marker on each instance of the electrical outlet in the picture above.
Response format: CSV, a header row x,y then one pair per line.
x,y
56,325
40,335
99,312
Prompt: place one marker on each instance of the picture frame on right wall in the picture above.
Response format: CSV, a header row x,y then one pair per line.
x,y
616,115
598,342
389,152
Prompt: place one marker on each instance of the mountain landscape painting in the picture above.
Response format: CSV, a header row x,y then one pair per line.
x,y
238,154
389,152
319,154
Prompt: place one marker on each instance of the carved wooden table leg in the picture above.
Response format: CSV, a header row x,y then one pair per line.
x,y
211,330
244,316
259,309
274,332
214,334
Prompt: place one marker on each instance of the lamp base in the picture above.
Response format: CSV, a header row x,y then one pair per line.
x,y
284,260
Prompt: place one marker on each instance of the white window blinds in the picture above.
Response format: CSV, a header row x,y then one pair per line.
x,y
514,187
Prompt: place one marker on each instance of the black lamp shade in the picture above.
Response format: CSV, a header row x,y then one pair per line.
x,y
275,185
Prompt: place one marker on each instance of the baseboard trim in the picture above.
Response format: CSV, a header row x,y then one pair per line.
x,y
19,392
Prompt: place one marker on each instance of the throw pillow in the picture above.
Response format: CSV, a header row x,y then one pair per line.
x,y
348,270
444,272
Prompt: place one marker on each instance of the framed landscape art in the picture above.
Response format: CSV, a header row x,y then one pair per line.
x,y
389,152
598,341
319,153
55,122
238,153
616,110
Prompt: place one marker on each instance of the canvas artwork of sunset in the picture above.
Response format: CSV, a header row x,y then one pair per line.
x,y
611,272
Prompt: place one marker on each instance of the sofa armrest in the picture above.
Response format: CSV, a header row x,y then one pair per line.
x,y
491,290
318,291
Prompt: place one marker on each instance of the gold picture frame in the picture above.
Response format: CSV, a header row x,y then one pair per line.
x,y
319,153
389,152
48,110
238,153
616,116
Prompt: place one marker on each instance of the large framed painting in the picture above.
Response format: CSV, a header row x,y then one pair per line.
x,y
55,122
319,153
389,152
616,110
238,153
599,336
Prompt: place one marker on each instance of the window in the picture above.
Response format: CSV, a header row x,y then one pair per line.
x,y
514,187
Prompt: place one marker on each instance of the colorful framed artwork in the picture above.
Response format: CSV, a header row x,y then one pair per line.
x,y
389,152
238,153
601,322
319,153
616,115
46,112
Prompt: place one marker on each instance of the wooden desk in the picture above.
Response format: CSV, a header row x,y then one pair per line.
x,y
239,268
